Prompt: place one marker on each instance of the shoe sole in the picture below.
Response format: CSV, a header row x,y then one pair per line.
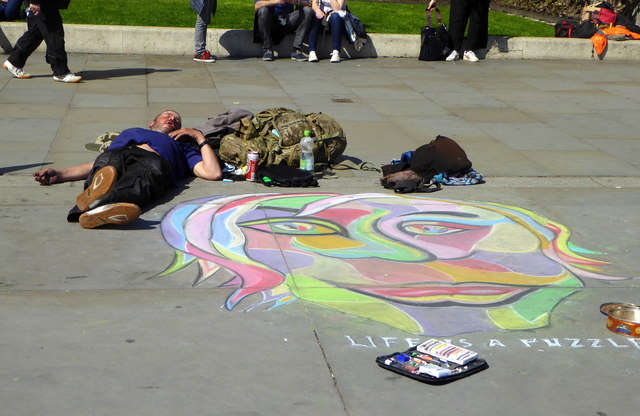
x,y
16,76
120,213
207,61
75,81
471,60
100,185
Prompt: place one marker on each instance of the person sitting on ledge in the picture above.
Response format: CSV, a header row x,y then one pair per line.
x,y
275,18
139,166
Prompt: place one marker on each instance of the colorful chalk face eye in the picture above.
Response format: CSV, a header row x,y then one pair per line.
x,y
434,228
294,226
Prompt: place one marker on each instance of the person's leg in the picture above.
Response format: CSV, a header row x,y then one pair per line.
x,y
53,33
336,24
27,43
265,21
12,9
142,176
202,22
314,31
458,17
478,35
300,20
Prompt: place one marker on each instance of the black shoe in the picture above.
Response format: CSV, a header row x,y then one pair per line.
x,y
268,55
298,56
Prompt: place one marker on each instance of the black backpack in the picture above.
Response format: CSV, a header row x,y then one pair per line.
x,y
573,29
284,175
565,28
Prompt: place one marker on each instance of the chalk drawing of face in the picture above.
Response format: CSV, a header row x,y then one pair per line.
x,y
424,265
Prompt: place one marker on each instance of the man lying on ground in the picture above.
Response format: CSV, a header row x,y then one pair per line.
x,y
139,166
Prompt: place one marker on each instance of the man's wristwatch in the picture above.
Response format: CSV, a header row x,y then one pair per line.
x,y
201,145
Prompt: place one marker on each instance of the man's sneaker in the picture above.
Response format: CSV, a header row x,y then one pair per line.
x,y
204,56
298,56
335,56
118,213
312,56
453,56
470,56
15,71
100,185
268,55
69,78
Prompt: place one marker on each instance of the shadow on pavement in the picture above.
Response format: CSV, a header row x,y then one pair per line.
x,y
121,72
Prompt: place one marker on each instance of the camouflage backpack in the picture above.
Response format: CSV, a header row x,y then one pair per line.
x,y
275,134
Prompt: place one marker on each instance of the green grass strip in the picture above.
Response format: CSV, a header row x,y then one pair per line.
x,y
238,14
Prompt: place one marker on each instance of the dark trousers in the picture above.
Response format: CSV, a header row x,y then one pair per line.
x,y
476,13
298,21
142,177
47,26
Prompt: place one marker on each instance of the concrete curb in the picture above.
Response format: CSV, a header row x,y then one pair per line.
x,y
238,43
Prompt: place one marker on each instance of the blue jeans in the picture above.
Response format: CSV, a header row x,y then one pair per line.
x,y
202,22
10,10
336,25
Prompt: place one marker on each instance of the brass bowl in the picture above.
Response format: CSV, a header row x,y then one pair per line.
x,y
622,318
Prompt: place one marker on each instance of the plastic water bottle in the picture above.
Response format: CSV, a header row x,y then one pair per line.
x,y
306,148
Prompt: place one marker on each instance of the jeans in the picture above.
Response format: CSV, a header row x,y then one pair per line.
x,y
336,25
299,20
10,10
202,22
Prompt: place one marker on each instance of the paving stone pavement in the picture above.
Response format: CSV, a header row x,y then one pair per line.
x,y
87,329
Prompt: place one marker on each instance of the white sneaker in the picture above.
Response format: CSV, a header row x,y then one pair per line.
x,y
70,78
312,56
15,71
470,56
335,56
453,56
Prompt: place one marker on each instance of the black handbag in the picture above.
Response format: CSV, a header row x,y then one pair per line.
x,y
434,44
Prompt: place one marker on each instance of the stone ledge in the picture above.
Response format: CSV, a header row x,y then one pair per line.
x,y
238,43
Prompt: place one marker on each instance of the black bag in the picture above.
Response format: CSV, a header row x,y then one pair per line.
x,y
573,29
283,175
441,155
434,44
565,28
585,30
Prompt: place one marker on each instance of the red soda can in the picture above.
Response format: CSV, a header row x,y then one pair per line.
x,y
252,164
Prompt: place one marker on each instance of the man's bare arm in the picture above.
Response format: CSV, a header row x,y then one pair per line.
x,y
49,176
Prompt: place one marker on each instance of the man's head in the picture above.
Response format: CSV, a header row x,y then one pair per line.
x,y
166,122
